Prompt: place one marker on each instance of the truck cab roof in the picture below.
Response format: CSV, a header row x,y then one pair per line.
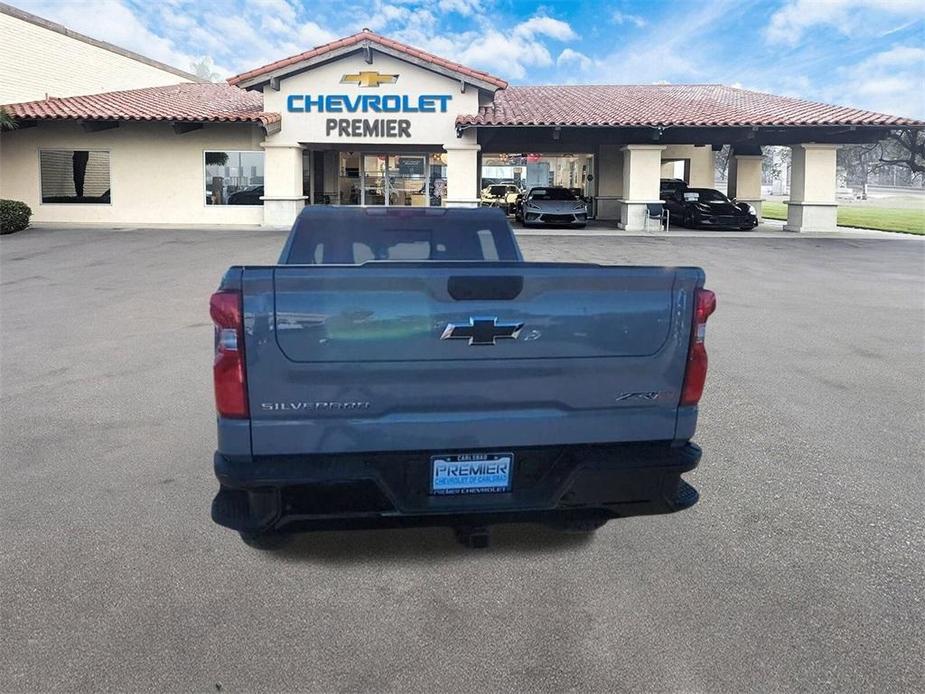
x,y
344,235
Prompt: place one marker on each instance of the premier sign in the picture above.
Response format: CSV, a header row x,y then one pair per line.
x,y
364,127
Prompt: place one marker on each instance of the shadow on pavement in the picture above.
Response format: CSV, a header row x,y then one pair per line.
x,y
427,544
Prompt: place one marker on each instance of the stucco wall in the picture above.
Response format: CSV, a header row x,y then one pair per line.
x,y
156,175
701,160
38,61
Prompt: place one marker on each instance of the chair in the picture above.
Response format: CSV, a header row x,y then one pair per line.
x,y
655,211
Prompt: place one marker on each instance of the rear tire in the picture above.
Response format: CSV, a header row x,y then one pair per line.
x,y
266,541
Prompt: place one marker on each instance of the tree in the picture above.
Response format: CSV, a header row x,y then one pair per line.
x,y
721,162
857,162
7,122
905,148
775,163
216,158
901,149
202,68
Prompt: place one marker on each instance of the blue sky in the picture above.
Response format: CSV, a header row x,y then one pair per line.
x,y
865,53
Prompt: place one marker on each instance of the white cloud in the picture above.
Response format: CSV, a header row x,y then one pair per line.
x,y
545,26
849,17
311,34
568,58
281,9
671,49
619,17
508,52
504,53
892,81
466,8
115,22
238,35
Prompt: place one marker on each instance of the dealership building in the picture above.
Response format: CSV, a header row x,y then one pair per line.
x,y
367,120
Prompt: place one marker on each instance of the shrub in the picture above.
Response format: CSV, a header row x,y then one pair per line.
x,y
14,216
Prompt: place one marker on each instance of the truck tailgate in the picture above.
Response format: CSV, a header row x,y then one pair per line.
x,y
366,358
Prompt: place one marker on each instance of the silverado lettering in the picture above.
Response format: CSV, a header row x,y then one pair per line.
x,y
282,406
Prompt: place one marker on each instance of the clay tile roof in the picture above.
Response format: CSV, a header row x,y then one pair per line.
x,y
671,105
373,38
189,102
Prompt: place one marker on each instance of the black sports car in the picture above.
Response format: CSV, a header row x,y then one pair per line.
x,y
667,186
708,208
248,196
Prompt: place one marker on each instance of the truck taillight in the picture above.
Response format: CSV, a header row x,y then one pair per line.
x,y
229,370
696,373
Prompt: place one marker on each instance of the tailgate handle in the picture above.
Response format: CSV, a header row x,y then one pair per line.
x,y
473,288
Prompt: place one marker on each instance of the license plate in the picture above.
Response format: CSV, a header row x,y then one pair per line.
x,y
474,473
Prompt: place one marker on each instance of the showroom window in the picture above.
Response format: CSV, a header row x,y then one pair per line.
x,y
234,178
75,176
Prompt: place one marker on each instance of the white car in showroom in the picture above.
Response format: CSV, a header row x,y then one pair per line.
x,y
552,206
503,195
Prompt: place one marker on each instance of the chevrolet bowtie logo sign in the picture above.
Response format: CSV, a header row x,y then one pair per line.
x,y
482,331
369,78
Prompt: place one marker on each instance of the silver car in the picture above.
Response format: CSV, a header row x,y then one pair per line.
x,y
555,206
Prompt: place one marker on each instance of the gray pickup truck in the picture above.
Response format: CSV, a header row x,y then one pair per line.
x,y
406,366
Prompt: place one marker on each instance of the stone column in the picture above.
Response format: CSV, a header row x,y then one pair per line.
x,y
745,179
642,166
812,205
462,172
282,184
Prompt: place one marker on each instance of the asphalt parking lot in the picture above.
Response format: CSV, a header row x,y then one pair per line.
x,y
800,569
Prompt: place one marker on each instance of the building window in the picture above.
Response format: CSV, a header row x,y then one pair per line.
x,y
234,178
75,176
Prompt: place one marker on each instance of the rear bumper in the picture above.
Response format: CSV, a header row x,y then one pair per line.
x,y
337,491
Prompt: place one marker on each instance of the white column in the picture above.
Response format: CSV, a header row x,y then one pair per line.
x,y
812,205
745,179
703,167
462,171
282,186
642,166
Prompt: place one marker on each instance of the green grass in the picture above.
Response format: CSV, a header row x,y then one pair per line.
x,y
905,221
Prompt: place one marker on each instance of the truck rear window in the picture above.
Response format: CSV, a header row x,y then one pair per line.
x,y
352,236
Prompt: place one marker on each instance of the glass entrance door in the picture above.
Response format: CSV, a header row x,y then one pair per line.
x,y
375,180
407,175
391,179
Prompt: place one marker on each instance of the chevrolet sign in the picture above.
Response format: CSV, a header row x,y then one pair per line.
x,y
368,103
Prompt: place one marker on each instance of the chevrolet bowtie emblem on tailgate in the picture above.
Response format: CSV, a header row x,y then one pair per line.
x,y
482,331
369,78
